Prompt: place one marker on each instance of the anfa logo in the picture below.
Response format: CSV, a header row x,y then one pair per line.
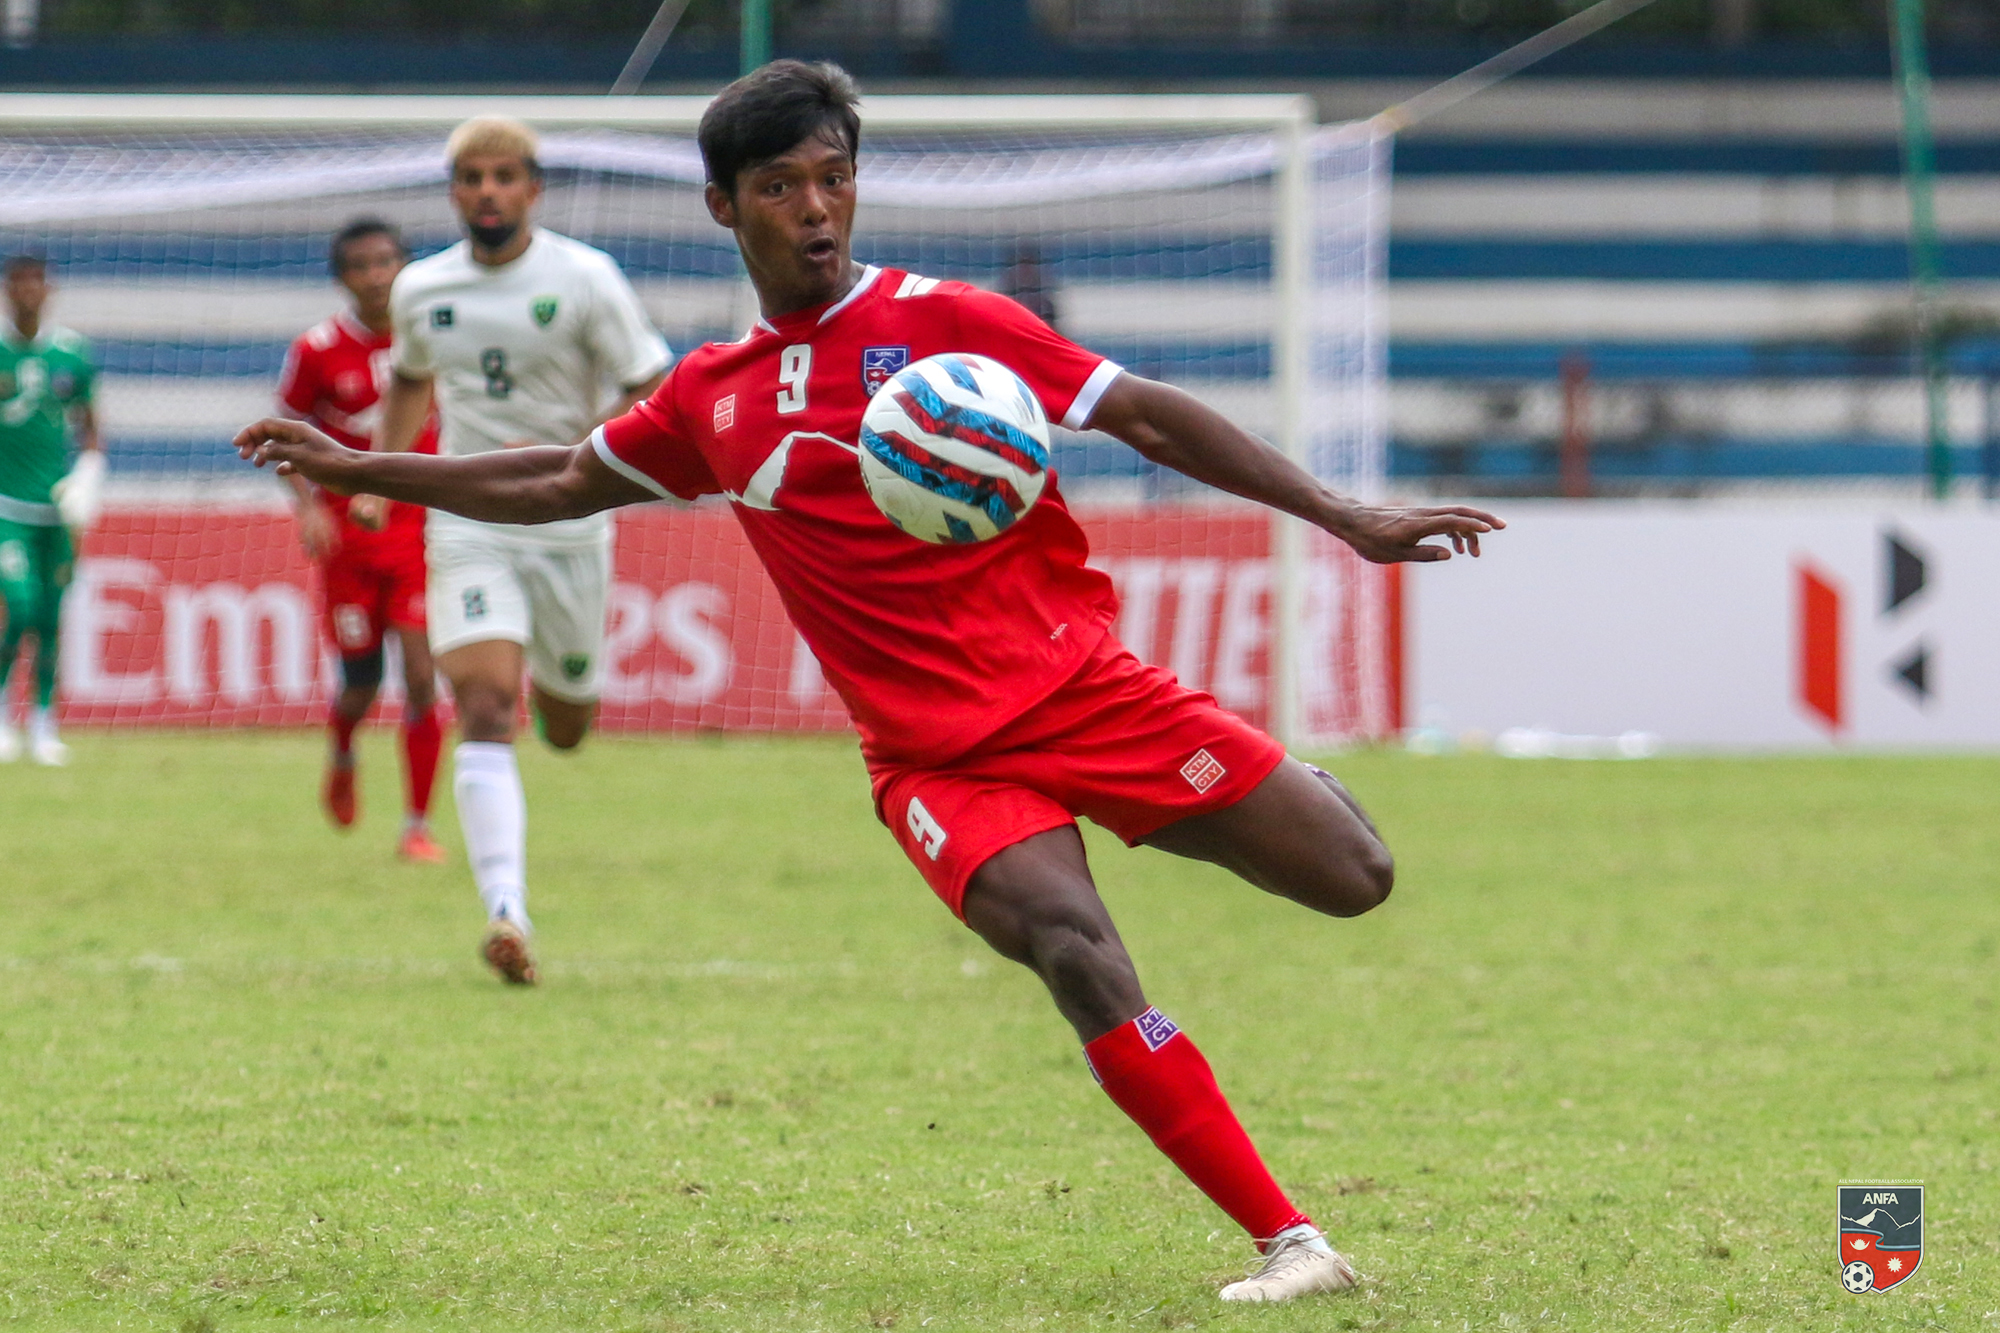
x,y
1881,1230
544,311
879,365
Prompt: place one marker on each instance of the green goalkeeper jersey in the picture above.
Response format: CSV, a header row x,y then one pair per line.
x,y
41,381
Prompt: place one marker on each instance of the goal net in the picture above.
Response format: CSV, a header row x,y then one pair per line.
x,y
1226,245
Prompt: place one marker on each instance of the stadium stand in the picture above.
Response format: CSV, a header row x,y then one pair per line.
x,y
1705,228
1727,266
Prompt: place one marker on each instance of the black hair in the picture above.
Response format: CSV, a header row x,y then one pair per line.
x,y
17,263
772,110
336,253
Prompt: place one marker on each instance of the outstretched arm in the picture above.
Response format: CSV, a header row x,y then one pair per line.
x,y
1177,430
537,485
406,404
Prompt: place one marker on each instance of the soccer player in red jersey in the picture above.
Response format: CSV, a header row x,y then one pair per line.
x,y
371,562
994,706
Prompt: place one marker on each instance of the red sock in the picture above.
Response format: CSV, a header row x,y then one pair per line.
x,y
343,733
422,739
1155,1074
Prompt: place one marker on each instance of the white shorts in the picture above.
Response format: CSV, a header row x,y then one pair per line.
x,y
549,599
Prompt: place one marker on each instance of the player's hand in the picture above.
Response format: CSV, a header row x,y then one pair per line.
x,y
296,449
369,511
318,533
1389,534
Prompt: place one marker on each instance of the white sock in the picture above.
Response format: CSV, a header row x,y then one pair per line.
x,y
493,812
1309,1234
42,724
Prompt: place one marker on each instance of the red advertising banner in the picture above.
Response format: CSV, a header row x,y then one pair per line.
x,y
209,617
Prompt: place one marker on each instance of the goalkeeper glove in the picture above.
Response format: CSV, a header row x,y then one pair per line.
x,y
80,495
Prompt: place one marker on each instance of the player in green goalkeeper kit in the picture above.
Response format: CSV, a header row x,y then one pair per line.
x,y
46,378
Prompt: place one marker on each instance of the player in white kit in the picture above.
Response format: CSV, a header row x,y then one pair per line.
x,y
526,338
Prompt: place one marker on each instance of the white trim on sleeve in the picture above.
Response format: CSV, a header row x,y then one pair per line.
x,y
602,448
1085,403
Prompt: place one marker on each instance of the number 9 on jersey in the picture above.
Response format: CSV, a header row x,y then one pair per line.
x,y
954,449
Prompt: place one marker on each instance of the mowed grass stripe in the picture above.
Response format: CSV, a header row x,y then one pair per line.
x,y
1598,1063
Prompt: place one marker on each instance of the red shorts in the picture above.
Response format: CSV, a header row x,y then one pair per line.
x,y
370,588
1120,742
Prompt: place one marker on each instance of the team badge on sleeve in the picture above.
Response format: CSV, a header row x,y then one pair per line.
x,y
880,364
1881,1232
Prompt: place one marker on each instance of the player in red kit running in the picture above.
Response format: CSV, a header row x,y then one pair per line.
x,y
371,555
994,705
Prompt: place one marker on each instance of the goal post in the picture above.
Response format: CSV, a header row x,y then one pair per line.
x,y
1225,243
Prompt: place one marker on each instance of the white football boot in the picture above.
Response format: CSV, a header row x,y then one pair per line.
x,y
1297,1263
10,742
44,746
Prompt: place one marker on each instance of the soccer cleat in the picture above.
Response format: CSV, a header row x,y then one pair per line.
x,y
338,795
48,752
417,844
506,951
1293,1267
10,743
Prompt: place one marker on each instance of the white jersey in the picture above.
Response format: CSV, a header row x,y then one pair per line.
x,y
529,352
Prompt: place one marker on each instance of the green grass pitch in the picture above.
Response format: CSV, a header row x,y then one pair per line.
x,y
1598,1064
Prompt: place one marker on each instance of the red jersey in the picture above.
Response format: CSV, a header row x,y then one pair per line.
x,y
334,376
932,648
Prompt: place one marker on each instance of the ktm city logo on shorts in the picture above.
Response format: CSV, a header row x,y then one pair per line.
x,y
725,412
1203,771
575,664
350,626
1881,1231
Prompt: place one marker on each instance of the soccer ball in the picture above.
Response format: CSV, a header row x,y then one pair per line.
x,y
1858,1277
954,449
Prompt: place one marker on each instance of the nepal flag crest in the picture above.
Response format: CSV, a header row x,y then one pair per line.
x,y
880,364
1881,1233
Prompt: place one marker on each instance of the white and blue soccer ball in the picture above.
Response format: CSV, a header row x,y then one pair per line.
x,y
954,448
1857,1277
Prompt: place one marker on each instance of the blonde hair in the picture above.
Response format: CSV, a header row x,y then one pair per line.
x,y
495,136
